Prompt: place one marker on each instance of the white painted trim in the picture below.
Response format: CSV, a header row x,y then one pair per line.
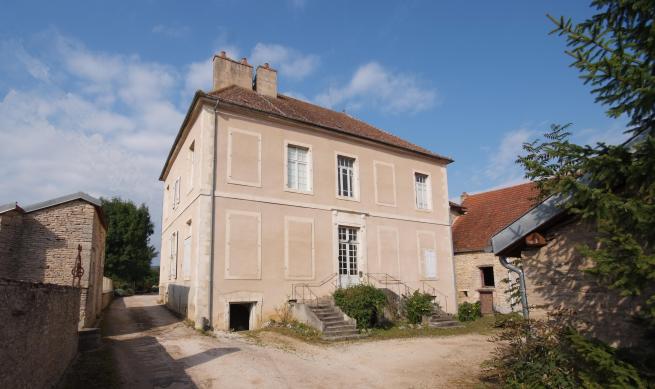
x,y
191,156
379,247
258,215
355,178
421,271
310,173
229,178
430,191
307,220
375,182
273,200
349,219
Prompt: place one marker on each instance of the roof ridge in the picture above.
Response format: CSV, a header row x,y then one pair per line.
x,y
497,189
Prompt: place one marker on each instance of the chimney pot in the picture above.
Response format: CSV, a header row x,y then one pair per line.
x,y
266,80
244,61
228,72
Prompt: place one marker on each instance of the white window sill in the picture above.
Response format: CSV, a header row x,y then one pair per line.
x,y
304,192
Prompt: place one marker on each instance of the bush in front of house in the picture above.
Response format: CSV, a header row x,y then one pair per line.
x,y
363,303
554,354
418,305
469,312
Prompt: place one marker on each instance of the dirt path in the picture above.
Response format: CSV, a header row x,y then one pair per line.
x,y
154,349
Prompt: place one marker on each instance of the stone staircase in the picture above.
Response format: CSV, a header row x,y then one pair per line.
x,y
336,327
441,319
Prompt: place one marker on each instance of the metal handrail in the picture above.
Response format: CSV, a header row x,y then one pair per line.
x,y
434,291
390,280
305,286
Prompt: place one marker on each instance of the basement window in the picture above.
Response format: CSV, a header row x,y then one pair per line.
x,y
487,275
240,316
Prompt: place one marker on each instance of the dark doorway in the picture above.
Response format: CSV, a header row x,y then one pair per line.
x,y
487,273
240,316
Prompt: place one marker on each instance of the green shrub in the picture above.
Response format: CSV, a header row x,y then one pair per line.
x,y
469,312
553,354
418,305
363,303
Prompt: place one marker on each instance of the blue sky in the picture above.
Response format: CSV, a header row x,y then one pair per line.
x,y
92,93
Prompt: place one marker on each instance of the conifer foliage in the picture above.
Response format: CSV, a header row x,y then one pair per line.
x,y
611,186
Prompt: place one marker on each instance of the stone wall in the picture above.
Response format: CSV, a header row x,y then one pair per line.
x,y
44,249
469,281
556,279
38,333
11,224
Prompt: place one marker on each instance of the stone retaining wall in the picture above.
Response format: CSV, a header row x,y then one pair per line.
x,y
38,333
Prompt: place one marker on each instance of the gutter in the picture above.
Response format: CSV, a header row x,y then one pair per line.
x,y
213,220
521,274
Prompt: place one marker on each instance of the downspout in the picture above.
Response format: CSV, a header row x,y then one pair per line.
x,y
521,274
213,219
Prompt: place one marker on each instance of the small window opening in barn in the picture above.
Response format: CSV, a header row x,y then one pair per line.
x,y
487,273
240,316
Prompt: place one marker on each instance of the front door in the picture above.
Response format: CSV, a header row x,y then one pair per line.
x,y
348,253
486,302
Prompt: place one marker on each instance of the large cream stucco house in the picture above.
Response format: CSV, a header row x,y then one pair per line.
x,y
269,198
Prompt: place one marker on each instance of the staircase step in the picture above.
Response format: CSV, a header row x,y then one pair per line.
x,y
340,326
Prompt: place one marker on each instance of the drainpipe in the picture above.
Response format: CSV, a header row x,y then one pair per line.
x,y
213,219
521,274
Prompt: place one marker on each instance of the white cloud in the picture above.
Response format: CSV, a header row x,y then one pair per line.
x,y
502,168
289,62
104,125
374,86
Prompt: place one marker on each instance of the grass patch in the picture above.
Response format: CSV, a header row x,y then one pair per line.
x,y
93,369
295,330
483,326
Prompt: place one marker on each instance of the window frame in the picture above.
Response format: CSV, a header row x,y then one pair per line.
x,y
188,237
355,180
483,284
310,167
428,190
173,250
191,157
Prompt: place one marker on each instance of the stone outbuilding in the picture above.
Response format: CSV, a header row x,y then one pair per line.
x,y
479,274
546,240
39,243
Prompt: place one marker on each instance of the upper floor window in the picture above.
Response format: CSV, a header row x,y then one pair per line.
x,y
192,162
176,193
422,188
298,168
346,176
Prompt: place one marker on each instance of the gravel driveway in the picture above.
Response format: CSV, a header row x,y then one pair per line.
x,y
155,349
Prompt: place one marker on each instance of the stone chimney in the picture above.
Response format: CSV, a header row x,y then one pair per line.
x,y
230,72
266,80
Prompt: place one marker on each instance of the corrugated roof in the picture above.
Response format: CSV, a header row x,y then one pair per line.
x,y
489,212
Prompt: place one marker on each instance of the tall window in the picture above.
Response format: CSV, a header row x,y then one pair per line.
x,y
186,259
422,186
176,193
192,163
173,256
346,176
348,246
298,168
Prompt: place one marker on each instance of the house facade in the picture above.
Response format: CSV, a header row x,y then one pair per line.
x,y
268,198
479,274
39,243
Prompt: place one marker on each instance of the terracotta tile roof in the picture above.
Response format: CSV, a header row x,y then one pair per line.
x,y
294,109
489,212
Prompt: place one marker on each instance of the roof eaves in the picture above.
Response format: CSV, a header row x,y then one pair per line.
x,y
430,155
10,207
63,199
539,215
